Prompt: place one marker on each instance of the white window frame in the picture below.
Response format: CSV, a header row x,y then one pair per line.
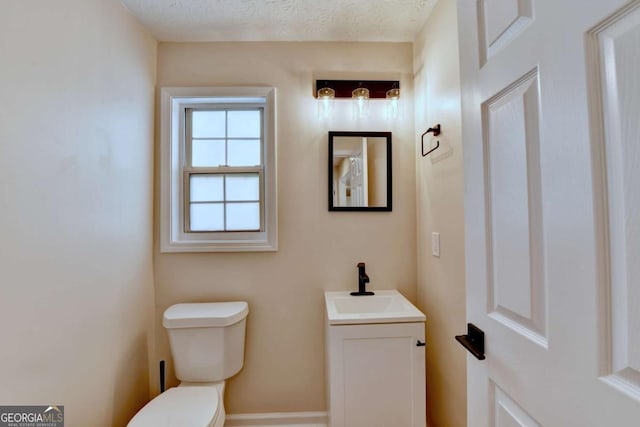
x,y
173,238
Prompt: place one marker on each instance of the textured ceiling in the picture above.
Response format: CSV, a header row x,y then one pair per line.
x,y
282,20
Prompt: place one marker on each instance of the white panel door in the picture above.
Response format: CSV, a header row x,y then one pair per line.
x,y
551,128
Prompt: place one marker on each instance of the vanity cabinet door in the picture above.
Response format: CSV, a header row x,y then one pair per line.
x,y
376,375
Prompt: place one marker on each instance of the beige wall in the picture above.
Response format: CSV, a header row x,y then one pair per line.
x,y
76,134
441,287
318,250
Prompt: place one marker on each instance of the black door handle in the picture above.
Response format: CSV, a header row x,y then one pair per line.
x,y
420,343
473,341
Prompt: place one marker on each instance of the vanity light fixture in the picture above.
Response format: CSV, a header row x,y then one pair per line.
x,y
360,92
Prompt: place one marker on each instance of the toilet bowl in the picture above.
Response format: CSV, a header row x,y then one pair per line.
x,y
182,406
207,345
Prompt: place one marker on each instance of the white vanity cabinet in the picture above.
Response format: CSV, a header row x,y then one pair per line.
x,y
376,373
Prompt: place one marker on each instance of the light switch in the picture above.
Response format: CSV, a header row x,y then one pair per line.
x,y
435,244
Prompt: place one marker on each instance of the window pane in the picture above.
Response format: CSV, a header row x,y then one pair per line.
x,y
243,216
207,152
244,124
243,187
207,217
206,188
207,124
244,152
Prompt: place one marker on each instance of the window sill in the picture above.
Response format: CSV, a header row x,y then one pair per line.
x,y
218,246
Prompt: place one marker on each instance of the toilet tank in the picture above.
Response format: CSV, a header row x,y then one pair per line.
x,y
207,339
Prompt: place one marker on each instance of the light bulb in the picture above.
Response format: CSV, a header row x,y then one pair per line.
x,y
326,97
361,102
393,103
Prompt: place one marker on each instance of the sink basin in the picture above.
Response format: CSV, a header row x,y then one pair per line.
x,y
383,307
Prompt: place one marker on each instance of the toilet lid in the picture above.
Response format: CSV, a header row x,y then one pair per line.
x,y
178,407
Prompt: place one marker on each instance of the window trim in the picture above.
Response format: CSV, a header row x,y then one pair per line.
x,y
173,238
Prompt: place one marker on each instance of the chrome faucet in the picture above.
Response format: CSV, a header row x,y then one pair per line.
x,y
363,279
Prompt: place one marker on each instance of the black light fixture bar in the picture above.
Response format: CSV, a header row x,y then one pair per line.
x,y
344,88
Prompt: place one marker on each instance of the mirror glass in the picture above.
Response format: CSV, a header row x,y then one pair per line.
x,y
359,171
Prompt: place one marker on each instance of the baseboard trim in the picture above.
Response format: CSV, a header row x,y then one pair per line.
x,y
278,419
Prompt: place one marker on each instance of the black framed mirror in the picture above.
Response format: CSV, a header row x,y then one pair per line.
x,y
359,171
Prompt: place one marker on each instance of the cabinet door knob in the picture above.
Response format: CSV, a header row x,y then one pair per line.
x,y
420,343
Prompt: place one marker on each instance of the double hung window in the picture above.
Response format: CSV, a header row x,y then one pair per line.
x,y
218,170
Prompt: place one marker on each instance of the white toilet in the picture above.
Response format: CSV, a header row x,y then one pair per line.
x,y
207,345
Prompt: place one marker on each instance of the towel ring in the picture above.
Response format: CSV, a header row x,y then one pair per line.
x,y
436,132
